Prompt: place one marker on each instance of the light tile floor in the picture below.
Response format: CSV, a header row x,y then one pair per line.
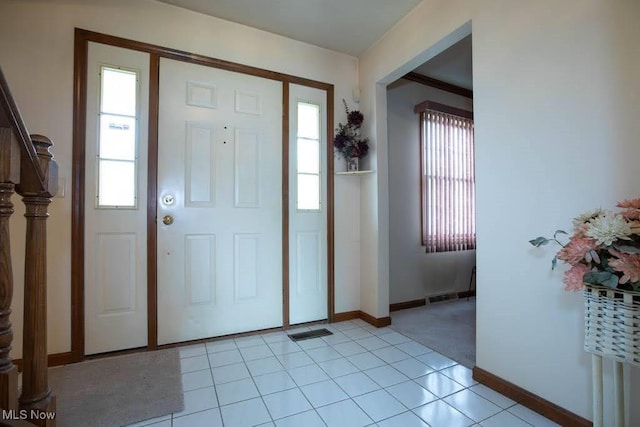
x,y
359,376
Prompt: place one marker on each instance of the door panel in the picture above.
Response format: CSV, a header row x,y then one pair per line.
x,y
220,180
307,205
200,174
115,237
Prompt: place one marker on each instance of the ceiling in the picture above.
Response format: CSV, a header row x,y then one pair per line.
x,y
452,65
347,26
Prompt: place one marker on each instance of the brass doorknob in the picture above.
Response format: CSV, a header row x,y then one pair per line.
x,y
167,220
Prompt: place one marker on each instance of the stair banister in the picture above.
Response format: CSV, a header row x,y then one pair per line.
x,y
26,167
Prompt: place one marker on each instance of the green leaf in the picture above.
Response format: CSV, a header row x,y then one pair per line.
x,y
554,262
611,282
601,278
627,249
559,232
539,241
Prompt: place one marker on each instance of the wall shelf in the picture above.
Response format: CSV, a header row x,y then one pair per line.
x,y
365,172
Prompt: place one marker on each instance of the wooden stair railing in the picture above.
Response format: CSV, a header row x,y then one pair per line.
x,y
26,167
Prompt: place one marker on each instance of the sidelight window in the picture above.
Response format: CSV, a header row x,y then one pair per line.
x,y
308,157
117,138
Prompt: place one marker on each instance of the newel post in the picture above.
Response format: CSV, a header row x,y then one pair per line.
x,y
9,174
36,394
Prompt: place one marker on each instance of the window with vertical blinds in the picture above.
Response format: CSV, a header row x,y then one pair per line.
x,y
448,178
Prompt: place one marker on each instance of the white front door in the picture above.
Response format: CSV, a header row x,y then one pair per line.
x,y
115,250
219,217
307,204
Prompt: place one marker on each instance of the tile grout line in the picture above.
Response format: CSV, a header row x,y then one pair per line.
x,y
256,385
215,389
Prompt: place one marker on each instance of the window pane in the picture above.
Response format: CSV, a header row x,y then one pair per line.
x,y
117,137
448,185
118,91
116,183
308,156
308,192
308,120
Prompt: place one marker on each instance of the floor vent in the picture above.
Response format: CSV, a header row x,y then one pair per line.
x,y
443,297
307,335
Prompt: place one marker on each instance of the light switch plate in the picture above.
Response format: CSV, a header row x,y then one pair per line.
x,y
61,188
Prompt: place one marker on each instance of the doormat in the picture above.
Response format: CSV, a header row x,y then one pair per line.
x,y
316,333
117,391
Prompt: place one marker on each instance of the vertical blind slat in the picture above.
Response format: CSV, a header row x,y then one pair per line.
x,y
448,182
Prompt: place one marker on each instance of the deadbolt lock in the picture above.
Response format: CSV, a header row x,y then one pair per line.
x,y
167,220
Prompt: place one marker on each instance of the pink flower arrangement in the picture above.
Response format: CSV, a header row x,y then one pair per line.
x,y
603,250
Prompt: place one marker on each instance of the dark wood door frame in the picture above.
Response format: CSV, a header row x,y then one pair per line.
x,y
81,47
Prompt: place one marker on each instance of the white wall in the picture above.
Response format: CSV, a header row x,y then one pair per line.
x,y
555,101
36,54
414,274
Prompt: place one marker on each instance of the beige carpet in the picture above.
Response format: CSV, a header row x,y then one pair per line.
x,y
119,390
448,327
